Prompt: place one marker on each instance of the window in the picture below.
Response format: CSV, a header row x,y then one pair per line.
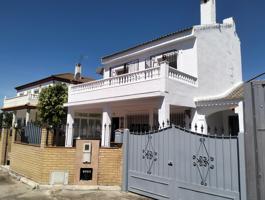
x,y
132,66
36,91
122,70
87,126
171,57
125,69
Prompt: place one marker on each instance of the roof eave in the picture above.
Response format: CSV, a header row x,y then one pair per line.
x,y
137,48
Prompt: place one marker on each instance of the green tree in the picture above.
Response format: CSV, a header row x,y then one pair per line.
x,y
6,119
51,110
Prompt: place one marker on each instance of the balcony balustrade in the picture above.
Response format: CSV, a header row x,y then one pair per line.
x,y
131,78
30,99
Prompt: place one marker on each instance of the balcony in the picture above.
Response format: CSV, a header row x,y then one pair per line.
x,y
14,103
146,83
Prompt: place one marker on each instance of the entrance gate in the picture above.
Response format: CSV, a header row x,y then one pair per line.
x,y
177,164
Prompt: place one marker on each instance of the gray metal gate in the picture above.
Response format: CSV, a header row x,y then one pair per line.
x,y
177,164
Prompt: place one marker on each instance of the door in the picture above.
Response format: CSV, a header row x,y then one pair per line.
x,y
233,125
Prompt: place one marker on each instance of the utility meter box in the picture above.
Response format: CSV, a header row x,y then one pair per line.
x,y
87,151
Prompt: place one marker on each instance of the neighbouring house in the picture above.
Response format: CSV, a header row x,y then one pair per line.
x,y
191,78
24,104
25,111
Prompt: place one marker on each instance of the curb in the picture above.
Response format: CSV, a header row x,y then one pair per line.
x,y
80,187
33,185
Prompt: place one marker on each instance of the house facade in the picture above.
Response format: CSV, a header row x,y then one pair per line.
x,y
191,78
24,104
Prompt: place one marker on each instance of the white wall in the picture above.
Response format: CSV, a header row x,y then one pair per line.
x,y
30,90
219,60
187,58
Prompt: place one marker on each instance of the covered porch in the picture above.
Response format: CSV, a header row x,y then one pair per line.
x,y
102,120
223,114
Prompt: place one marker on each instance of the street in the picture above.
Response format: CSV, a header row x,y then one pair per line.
x,y
11,190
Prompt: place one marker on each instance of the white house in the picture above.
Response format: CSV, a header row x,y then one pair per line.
x,y
24,104
191,78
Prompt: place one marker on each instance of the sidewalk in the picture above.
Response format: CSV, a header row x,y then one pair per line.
x,y
11,190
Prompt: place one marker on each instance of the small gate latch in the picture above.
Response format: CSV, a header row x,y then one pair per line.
x,y
170,164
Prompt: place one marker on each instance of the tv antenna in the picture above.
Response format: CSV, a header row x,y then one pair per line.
x,y
82,58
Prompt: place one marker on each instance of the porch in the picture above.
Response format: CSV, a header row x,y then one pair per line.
x,y
101,121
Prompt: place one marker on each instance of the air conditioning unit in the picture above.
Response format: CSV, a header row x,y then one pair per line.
x,y
87,150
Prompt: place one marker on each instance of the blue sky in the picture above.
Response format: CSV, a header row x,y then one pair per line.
x,y
43,37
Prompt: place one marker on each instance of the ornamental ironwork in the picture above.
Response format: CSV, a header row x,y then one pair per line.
x,y
203,162
149,155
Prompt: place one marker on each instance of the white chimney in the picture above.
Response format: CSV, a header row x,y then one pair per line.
x,y
78,71
208,12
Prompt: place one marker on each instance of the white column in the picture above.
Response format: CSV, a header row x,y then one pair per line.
x,y
164,113
106,126
14,120
164,70
27,116
240,111
199,121
187,120
69,128
151,118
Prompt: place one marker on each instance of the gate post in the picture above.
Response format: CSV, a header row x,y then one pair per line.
x,y
125,146
242,166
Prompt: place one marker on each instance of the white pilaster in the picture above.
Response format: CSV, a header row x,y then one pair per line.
x,y
164,113
200,122
151,118
14,120
27,116
240,111
69,128
106,126
164,70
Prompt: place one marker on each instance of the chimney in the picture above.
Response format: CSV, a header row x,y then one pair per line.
x,y
78,71
208,12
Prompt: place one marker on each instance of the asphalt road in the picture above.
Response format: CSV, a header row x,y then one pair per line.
x,y
13,190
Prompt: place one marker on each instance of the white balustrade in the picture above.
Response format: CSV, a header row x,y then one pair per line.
x,y
31,99
183,77
125,79
144,75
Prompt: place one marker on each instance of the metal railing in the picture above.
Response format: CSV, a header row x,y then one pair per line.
x,y
30,134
